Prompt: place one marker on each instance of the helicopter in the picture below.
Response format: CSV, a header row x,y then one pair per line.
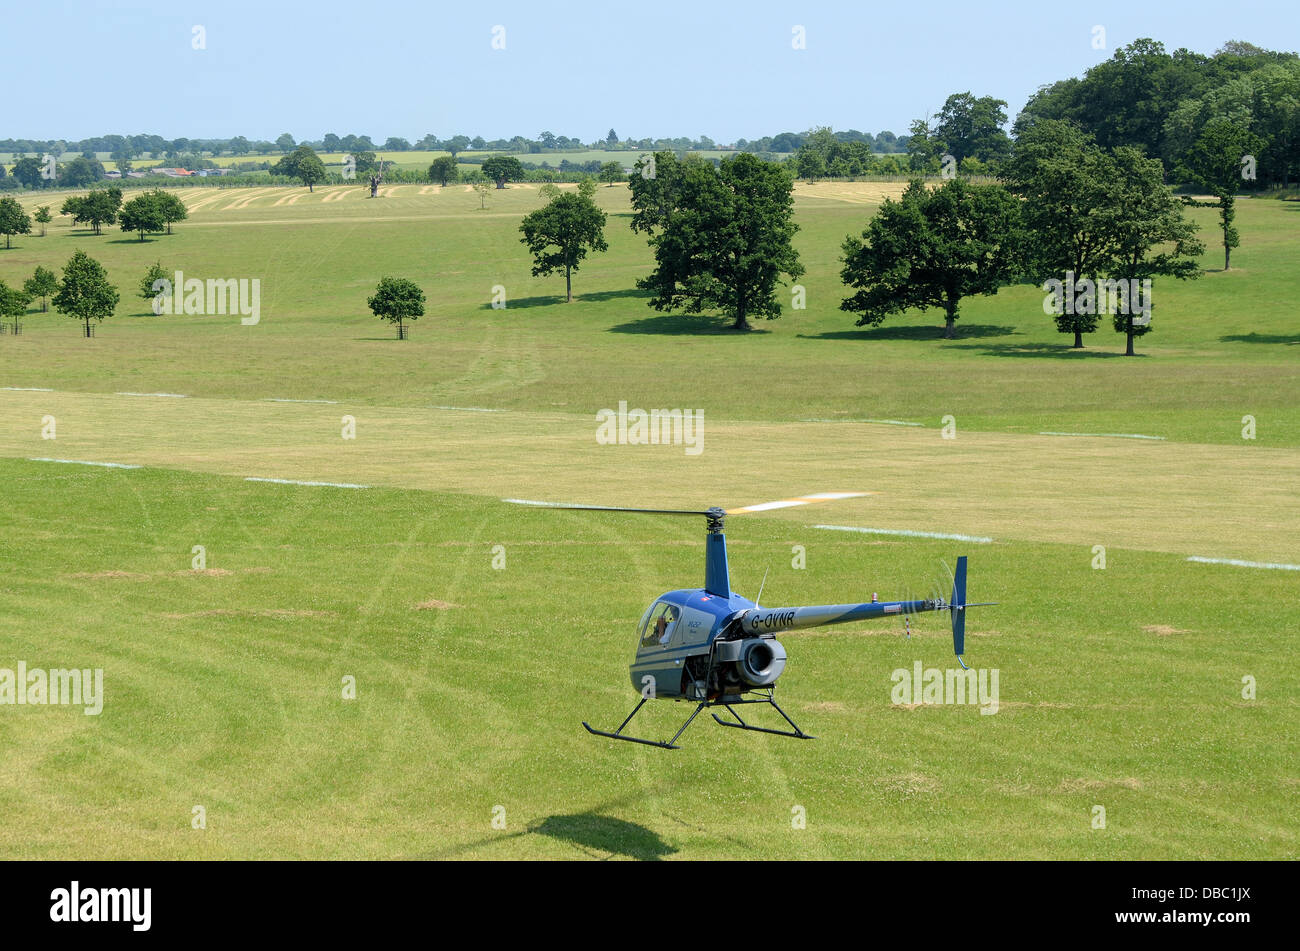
x,y
719,649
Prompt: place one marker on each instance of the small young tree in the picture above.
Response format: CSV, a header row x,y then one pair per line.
x,y
43,283
142,214
397,300
571,225
482,189
13,303
155,273
85,291
13,220
42,217
1215,161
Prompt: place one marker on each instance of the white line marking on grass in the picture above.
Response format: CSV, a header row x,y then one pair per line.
x,y
29,389
980,539
1243,564
332,485
272,399
174,396
887,422
83,462
1116,435
468,409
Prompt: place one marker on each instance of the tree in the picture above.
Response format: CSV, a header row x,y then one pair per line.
x,y
284,143
85,291
1153,239
303,164
97,208
570,224
42,217
43,283
457,144
171,208
721,236
28,172
331,143
1068,185
122,159
396,300
142,214
13,220
148,290
611,139
13,303
611,173
971,127
502,169
1215,161
482,189
443,170
932,248
365,163
80,172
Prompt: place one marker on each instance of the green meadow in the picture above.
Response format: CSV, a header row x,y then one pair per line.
x,y
479,634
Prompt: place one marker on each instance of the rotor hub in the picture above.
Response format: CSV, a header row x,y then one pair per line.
x,y
715,516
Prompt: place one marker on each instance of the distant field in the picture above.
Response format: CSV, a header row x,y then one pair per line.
x,y
1120,687
1223,347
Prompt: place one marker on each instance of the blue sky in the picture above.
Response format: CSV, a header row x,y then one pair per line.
x,y
723,69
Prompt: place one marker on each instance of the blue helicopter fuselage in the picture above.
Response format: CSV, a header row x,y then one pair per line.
x,y
663,654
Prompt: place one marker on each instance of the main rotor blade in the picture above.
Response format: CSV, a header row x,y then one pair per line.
x,y
603,508
798,500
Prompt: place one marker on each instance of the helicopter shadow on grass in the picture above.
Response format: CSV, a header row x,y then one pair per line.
x,y
1288,339
547,300
593,832
924,332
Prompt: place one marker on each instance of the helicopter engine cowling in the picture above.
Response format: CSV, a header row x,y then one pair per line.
x,y
758,661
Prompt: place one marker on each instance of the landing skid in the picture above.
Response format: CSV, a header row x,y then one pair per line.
x,y
739,725
742,725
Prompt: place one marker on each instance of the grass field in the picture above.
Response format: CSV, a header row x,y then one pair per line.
x,y
1120,687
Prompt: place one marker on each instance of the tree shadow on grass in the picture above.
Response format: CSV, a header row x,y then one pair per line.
x,y
1288,339
963,331
546,300
1057,351
685,325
